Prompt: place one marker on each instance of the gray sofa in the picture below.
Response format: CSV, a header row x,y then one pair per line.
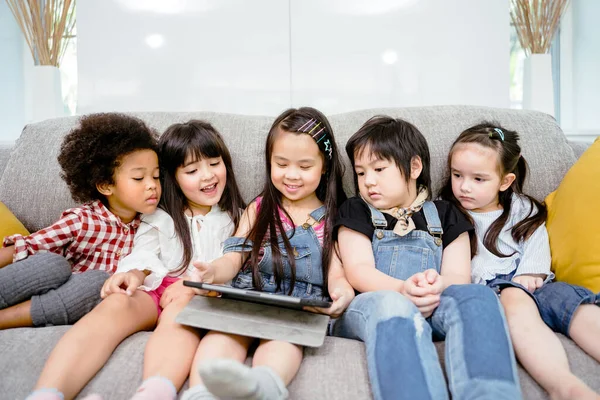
x,y
30,186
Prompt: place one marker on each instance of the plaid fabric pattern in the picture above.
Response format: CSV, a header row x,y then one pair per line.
x,y
89,237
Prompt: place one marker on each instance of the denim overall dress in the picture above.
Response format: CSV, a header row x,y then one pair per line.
x,y
403,256
307,256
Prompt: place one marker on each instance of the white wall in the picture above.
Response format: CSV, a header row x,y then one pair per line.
x,y
12,100
580,70
261,56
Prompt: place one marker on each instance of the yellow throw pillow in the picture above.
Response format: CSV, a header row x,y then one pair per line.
x,y
10,224
574,222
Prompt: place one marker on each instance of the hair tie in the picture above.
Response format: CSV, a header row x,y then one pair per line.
x,y
499,132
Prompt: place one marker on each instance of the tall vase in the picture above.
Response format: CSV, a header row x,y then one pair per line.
x,y
47,101
538,88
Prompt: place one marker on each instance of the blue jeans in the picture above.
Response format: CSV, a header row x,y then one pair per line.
x,y
402,359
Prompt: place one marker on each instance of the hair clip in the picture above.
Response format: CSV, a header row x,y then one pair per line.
x,y
313,125
499,132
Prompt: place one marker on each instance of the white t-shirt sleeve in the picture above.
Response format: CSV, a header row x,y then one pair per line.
x,y
536,254
148,249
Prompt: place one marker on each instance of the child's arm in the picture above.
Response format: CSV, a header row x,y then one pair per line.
x,y
146,254
359,263
226,267
456,262
55,236
6,255
340,290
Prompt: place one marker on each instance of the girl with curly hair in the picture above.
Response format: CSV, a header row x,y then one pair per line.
x,y
54,276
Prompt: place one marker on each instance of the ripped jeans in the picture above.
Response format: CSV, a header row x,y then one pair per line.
x,y
402,359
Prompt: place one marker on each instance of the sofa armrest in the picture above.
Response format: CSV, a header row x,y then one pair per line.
x,y
5,150
578,147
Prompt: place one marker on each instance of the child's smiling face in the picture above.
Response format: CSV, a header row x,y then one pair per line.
x,y
296,166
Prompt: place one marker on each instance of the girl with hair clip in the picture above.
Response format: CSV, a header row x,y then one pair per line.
x,y
201,206
512,256
408,257
292,216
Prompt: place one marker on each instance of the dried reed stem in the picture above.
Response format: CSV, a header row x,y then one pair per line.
x,y
536,21
46,25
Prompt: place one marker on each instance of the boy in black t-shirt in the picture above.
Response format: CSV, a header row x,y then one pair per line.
x,y
409,258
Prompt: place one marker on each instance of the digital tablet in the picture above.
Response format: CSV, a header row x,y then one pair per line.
x,y
260,297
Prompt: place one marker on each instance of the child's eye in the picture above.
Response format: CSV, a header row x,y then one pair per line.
x,y
305,168
156,177
190,172
379,169
281,165
479,179
360,173
456,175
214,164
138,179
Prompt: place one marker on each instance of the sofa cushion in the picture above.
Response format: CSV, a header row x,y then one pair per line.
x,y
10,224
335,371
573,221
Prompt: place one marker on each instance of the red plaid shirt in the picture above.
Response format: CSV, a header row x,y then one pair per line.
x,y
89,237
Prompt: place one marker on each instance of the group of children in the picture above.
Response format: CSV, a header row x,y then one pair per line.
x,y
403,266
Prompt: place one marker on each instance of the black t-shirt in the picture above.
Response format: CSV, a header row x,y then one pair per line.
x,y
356,215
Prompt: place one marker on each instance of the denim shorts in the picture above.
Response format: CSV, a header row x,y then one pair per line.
x,y
556,301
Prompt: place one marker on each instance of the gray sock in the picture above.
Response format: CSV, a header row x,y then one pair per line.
x,y
230,379
198,392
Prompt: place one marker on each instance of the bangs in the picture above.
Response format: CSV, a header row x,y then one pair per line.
x,y
199,147
379,141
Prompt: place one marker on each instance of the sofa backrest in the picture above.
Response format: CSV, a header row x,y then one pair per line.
x,y
31,186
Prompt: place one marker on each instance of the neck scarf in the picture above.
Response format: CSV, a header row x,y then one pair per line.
x,y
405,222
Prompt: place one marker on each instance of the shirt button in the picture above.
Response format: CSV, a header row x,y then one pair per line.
x,y
379,234
126,229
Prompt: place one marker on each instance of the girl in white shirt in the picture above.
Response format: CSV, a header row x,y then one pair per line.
x,y
200,207
512,255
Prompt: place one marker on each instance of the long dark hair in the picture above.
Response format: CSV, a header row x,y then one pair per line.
x,y
506,144
330,192
200,140
392,139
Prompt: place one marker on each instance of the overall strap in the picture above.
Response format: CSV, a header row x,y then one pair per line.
x,y
319,213
432,218
377,218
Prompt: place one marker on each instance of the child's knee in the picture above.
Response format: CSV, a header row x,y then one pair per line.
x,y
386,304
70,302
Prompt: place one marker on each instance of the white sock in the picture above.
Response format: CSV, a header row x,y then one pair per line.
x,y
46,394
233,380
198,392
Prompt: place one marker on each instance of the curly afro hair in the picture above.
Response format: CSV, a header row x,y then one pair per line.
x,y
91,152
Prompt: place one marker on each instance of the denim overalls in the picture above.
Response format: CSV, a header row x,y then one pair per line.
x,y
307,255
403,256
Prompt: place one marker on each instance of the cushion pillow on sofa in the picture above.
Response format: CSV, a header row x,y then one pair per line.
x,y
573,222
10,224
